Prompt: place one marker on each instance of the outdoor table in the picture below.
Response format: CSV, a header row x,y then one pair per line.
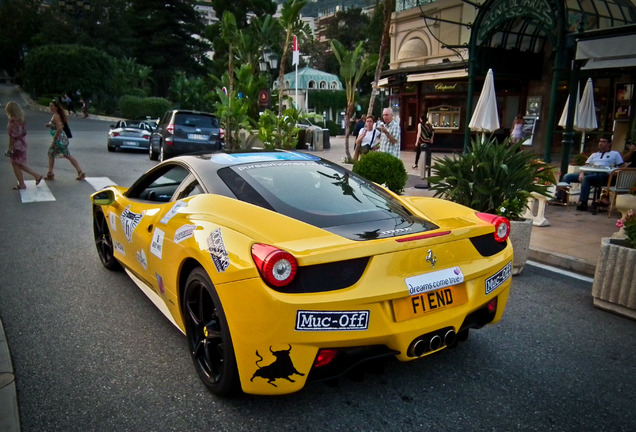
x,y
598,185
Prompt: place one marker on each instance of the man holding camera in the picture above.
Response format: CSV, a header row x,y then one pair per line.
x,y
389,134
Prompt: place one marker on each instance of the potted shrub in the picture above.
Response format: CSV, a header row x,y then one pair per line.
x,y
384,169
614,287
497,178
578,160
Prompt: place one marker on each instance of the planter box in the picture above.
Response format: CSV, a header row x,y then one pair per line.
x,y
614,287
520,232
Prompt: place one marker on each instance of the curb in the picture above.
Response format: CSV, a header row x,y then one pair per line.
x,y
564,262
9,413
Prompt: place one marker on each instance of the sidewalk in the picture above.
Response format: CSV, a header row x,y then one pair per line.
x,y
571,242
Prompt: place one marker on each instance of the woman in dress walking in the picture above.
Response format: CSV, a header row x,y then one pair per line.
x,y
17,150
59,146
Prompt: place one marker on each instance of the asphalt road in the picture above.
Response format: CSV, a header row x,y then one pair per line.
x,y
91,353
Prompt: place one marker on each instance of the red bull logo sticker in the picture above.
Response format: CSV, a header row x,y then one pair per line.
x,y
281,367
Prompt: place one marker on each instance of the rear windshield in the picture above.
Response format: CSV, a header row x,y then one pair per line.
x,y
196,120
317,192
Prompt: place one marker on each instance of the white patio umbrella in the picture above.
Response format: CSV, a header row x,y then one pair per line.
x,y
485,118
564,115
586,119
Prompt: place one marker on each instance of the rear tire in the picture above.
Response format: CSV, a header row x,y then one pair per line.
x,y
208,335
151,153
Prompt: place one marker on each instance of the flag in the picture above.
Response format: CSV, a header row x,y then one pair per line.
x,y
296,53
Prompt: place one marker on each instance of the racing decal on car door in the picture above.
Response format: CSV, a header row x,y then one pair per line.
x,y
119,248
141,257
281,367
184,232
173,211
113,221
217,250
162,287
156,246
129,222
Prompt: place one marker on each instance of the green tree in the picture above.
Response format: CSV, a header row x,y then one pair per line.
x,y
353,65
349,27
242,8
131,78
19,20
192,93
167,38
60,68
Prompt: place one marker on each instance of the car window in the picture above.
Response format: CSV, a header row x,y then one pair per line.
x,y
196,120
159,185
318,193
191,189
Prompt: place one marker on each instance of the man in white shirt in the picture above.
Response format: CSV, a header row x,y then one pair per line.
x,y
604,157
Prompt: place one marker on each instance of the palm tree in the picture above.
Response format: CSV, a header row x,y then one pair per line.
x,y
353,65
229,33
291,24
389,6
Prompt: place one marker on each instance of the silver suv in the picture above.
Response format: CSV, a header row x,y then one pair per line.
x,y
183,131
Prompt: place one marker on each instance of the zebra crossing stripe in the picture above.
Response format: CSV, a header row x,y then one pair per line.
x,y
99,183
41,192
34,193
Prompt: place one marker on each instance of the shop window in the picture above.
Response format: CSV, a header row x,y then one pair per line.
x,y
444,117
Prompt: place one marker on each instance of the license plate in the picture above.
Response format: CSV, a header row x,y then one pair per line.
x,y
495,281
418,305
131,143
197,137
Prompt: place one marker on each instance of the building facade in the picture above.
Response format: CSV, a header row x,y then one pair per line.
x,y
442,49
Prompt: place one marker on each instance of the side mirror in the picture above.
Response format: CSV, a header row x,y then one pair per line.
x,y
103,198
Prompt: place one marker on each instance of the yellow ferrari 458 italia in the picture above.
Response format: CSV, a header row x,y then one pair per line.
x,y
282,268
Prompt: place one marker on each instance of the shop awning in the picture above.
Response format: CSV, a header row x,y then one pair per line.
x,y
437,75
607,52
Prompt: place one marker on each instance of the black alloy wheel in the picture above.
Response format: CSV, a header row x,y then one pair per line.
x,y
103,241
209,336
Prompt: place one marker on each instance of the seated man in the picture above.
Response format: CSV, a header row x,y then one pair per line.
x,y
603,157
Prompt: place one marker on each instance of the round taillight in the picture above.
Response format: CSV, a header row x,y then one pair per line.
x,y
276,266
502,229
502,225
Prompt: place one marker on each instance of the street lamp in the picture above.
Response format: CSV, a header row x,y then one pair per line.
x,y
267,63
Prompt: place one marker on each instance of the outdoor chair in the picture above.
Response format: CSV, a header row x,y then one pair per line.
x,y
623,179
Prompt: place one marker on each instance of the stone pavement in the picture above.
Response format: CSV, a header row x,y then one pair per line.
x,y
571,242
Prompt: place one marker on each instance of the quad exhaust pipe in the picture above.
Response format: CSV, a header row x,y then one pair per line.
x,y
432,342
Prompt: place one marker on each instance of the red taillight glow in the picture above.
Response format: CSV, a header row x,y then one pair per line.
x,y
115,134
324,357
146,136
502,225
277,267
170,128
492,306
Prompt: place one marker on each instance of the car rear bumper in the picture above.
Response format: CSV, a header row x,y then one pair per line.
x,y
359,327
179,146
